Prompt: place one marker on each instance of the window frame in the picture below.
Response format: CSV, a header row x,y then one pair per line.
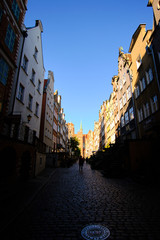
x,y
30,102
20,95
10,38
16,9
4,73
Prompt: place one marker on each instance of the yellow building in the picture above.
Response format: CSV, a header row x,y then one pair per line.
x,y
145,84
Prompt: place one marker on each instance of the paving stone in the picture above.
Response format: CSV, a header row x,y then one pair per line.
x,y
72,200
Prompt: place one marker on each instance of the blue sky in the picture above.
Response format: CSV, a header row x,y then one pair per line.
x,y
80,41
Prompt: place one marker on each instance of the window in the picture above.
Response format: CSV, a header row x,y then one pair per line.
x,y
120,84
33,76
122,121
142,84
35,53
124,78
146,110
149,75
10,38
159,56
154,104
124,99
1,13
25,63
139,62
37,109
15,9
4,68
40,161
126,117
140,115
137,91
39,86
131,113
129,93
121,105
21,92
30,100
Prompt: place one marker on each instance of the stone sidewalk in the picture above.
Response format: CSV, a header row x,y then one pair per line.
x,y
71,200
14,198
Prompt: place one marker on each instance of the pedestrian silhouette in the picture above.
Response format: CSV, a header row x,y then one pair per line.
x,y
81,162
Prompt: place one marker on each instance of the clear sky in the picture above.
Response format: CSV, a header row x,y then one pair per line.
x,y
80,41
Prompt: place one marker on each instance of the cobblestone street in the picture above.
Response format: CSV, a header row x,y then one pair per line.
x,y
72,199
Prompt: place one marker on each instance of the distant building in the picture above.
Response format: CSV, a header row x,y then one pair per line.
x,y
46,130
55,121
89,144
96,136
79,136
70,130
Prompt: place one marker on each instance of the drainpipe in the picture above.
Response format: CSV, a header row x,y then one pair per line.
x,y
151,52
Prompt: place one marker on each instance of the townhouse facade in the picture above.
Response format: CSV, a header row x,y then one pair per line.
x,y
145,84
29,86
55,121
124,100
89,144
70,130
11,29
132,111
96,136
46,128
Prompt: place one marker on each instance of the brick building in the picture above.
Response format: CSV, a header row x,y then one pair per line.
x,y
11,21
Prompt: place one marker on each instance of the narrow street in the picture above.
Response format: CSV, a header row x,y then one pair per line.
x,y
72,199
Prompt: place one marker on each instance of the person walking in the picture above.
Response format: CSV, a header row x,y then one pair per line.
x,y
81,162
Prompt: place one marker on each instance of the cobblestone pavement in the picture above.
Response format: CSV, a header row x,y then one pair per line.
x,y
72,199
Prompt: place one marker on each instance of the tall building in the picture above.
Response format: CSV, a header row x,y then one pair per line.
x,y
29,87
11,29
145,84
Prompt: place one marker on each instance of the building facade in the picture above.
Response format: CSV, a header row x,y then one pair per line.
x,y
46,129
125,98
79,136
145,84
11,29
70,130
29,91
55,121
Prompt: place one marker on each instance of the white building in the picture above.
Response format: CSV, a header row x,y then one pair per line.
x,y
29,89
49,111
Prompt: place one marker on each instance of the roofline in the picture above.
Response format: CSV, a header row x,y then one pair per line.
x,y
133,40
